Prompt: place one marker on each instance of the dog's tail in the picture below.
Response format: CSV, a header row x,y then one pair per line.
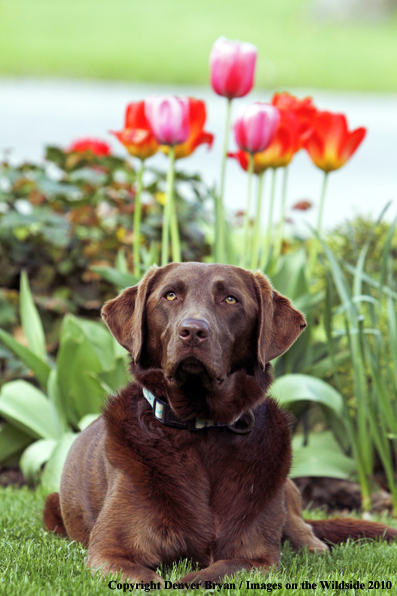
x,y
340,529
52,515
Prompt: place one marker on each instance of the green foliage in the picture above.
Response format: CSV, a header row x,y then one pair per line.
x,y
364,317
41,423
66,222
321,456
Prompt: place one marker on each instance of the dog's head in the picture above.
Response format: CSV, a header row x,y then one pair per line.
x,y
202,323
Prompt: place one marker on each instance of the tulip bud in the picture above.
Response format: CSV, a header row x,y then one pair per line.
x,y
232,65
256,126
168,117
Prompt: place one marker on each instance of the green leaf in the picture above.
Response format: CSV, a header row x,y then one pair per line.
x,y
121,262
39,368
321,457
29,410
81,391
55,397
119,279
87,420
12,440
51,477
99,336
290,389
30,319
370,281
290,279
34,457
116,378
65,358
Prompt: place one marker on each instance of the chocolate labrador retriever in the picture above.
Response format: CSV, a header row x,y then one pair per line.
x,y
191,459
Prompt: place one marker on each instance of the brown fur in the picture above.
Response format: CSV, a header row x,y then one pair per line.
x,y
139,493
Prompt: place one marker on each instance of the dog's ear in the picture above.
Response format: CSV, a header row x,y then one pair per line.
x,y
125,314
279,323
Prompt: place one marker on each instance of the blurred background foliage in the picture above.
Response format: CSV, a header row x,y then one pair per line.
x,y
302,43
59,220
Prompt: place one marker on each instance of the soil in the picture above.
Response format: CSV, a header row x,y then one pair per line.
x,y
335,495
11,476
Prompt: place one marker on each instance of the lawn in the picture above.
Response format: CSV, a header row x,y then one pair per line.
x,y
168,41
35,563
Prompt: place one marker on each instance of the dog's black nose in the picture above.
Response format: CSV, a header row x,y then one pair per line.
x,y
194,332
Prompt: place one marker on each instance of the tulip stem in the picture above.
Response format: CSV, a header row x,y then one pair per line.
x,y
137,221
167,210
269,221
219,208
315,241
175,240
245,255
257,226
321,209
279,240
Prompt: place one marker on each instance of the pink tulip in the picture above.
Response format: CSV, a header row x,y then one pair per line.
x,y
168,117
256,126
232,65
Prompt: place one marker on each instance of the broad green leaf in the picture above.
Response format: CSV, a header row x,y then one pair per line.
x,y
86,391
30,319
321,457
290,389
34,457
119,279
100,339
69,329
119,351
39,368
116,378
87,420
65,357
12,440
55,397
105,346
29,409
51,477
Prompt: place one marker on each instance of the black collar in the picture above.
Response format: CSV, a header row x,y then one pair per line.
x,y
162,411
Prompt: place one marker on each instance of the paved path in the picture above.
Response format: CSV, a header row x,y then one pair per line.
x,y
34,113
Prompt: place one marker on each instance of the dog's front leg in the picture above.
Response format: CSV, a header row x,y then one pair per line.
x,y
110,561
226,567
113,544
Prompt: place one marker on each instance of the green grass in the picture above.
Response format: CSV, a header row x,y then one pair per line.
x,y
36,563
168,41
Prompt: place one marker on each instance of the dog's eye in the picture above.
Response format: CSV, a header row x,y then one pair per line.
x,y
231,300
170,296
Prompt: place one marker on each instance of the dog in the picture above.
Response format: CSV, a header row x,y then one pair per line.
x,y
191,460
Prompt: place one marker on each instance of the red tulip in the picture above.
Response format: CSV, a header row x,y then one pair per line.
x,y
256,126
331,144
168,116
232,65
281,150
137,136
197,135
94,146
303,109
